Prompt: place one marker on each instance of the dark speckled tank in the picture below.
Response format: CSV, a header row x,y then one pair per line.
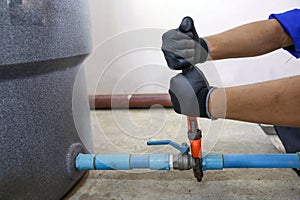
x,y
44,112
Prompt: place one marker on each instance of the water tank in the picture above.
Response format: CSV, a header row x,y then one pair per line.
x,y
44,112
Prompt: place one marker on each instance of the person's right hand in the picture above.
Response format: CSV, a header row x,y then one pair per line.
x,y
189,91
182,47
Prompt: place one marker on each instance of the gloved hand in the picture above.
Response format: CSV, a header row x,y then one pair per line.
x,y
189,93
182,47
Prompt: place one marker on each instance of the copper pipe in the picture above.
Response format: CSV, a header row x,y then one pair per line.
x,y
129,101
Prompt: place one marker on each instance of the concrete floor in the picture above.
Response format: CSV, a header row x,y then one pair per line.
x,y
123,131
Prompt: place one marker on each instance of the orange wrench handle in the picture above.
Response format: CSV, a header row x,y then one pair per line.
x,y
196,148
194,135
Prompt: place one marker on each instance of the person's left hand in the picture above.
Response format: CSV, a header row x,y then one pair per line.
x,y
182,47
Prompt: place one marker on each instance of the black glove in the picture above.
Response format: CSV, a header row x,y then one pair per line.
x,y
188,91
182,47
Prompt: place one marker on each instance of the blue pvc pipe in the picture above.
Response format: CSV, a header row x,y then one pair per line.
x,y
261,161
219,161
140,162
115,162
162,161
85,161
122,162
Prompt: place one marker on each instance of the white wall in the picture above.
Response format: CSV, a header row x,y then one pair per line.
x,y
127,40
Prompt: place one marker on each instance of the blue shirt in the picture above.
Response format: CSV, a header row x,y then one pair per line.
x,y
290,21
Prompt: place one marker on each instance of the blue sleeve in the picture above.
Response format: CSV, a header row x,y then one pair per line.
x,y
290,21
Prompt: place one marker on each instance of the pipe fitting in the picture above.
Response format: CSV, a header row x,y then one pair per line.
x,y
183,162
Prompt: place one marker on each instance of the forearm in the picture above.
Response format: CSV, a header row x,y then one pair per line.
x,y
251,39
274,102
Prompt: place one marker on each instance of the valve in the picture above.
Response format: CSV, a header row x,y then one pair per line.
x,y
186,161
182,161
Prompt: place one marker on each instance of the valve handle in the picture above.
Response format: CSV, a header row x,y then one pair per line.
x,y
182,148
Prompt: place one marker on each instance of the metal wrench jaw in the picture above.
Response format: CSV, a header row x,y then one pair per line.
x,y
197,169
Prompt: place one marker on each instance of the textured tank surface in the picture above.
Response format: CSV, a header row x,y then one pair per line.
x,y
42,88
